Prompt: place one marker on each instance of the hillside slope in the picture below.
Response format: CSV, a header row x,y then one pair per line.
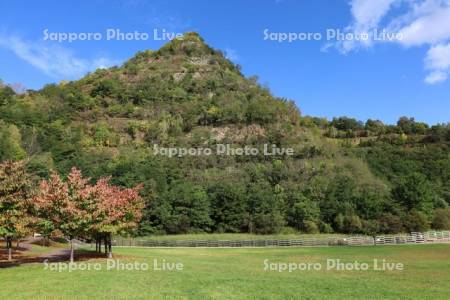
x,y
187,94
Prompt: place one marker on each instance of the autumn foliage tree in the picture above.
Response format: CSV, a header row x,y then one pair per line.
x,y
60,206
74,208
15,192
118,210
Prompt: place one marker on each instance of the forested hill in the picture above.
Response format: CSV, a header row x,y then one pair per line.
x,y
344,175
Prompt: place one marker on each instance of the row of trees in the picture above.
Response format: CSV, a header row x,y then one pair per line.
x,y
345,127
70,208
257,206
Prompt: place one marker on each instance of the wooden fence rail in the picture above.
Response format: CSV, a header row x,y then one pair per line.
x,y
357,240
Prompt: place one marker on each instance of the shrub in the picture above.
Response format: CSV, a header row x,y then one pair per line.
x,y
389,223
441,219
325,227
310,227
352,224
417,221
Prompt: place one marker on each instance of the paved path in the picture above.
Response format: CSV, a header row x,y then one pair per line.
x,y
60,254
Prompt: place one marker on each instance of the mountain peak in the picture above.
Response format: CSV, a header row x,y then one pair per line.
x,y
180,57
191,44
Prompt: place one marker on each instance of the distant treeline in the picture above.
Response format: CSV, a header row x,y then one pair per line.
x,y
345,127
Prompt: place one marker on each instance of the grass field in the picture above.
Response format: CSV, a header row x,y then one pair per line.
x,y
239,274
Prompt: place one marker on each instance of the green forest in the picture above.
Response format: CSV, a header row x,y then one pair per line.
x,y
346,176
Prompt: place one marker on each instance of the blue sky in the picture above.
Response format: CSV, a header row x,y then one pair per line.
x,y
361,79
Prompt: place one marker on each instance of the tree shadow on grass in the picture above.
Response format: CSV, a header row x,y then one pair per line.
x,y
20,257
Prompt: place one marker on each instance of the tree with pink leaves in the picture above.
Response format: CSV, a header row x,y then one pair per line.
x,y
60,206
118,210
74,208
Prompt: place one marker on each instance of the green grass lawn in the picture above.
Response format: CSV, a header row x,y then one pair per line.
x,y
239,274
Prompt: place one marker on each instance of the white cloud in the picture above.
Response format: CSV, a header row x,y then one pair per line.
x,y
419,22
438,57
53,60
436,77
367,14
231,54
428,29
438,61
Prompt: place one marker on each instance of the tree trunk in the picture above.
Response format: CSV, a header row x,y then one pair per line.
x,y
71,250
99,241
9,246
109,246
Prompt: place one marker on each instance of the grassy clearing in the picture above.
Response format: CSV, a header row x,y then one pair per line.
x,y
239,274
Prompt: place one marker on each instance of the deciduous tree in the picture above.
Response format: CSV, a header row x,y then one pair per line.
x,y
15,192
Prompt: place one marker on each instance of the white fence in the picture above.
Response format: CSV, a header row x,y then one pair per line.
x,y
358,240
414,238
